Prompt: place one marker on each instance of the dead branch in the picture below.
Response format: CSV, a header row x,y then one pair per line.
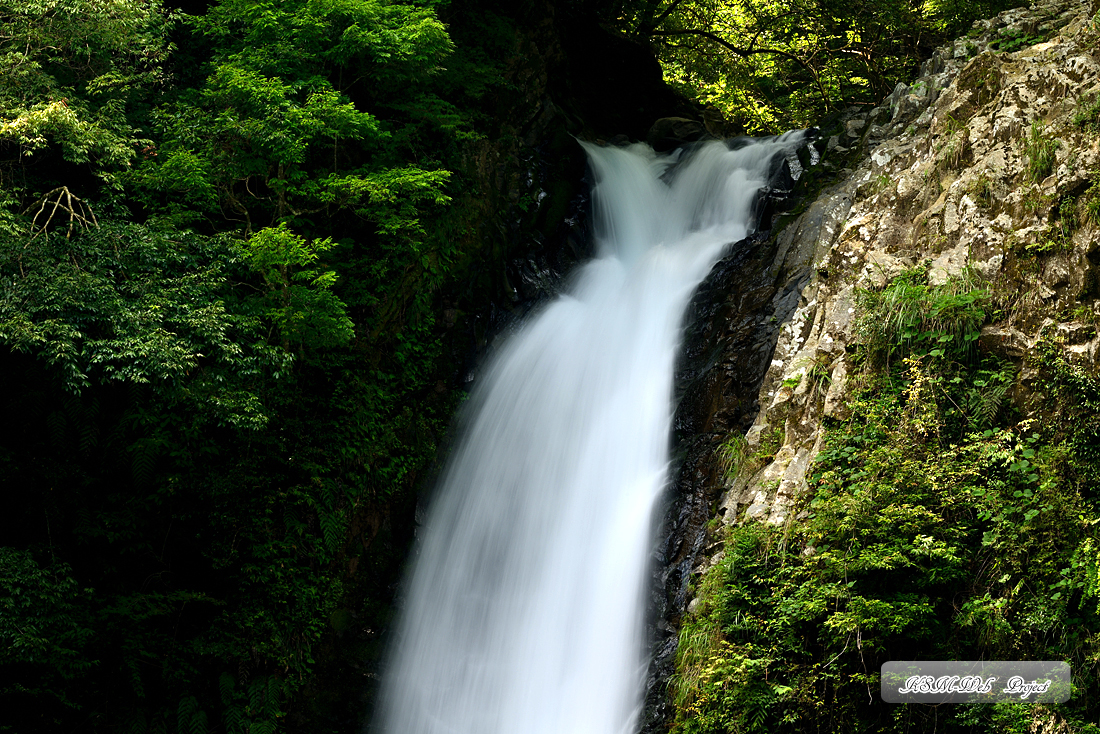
x,y
79,212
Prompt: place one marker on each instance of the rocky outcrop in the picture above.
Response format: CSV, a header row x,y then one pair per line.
x,y
987,166
951,179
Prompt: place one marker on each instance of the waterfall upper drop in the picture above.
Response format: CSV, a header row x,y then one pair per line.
x,y
525,613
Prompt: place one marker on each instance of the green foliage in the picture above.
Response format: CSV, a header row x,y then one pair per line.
x,y
1013,39
820,374
124,303
71,69
1035,200
269,138
951,17
1040,151
733,453
982,189
771,440
220,269
1087,114
42,617
909,315
937,527
252,709
772,66
304,309
1090,206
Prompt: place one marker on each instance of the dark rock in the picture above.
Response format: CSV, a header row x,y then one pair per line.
x,y
608,84
669,133
730,332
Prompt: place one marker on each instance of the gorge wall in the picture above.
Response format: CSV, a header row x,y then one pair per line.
x,y
979,179
946,182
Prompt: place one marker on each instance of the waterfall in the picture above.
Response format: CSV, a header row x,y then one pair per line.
x,y
525,613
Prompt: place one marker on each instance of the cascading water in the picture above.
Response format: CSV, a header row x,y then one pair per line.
x,y
525,612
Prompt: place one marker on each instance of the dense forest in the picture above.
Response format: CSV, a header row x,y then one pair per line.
x,y
250,253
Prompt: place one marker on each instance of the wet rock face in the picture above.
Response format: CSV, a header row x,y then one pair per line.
x,y
670,133
610,85
531,186
731,328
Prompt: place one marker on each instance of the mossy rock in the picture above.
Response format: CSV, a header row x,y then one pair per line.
x,y
982,79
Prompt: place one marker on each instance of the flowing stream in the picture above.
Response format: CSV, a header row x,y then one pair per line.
x,y
525,613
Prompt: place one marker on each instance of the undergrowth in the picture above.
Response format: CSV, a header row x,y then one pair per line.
x,y
940,524
1087,114
1013,39
1041,152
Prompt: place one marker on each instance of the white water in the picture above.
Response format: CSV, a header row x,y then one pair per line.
x,y
525,613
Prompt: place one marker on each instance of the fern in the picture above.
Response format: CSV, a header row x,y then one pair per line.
x,y
257,695
199,723
56,423
136,723
234,713
88,436
1087,559
984,400
271,707
983,404
144,453
226,688
758,702
186,712
234,720
332,527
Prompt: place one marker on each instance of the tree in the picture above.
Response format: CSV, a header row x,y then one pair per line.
x,y
216,312
769,66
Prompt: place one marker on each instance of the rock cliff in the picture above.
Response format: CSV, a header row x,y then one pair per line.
x,y
987,163
986,169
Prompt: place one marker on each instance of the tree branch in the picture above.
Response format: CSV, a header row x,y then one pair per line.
x,y
747,52
648,28
79,212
